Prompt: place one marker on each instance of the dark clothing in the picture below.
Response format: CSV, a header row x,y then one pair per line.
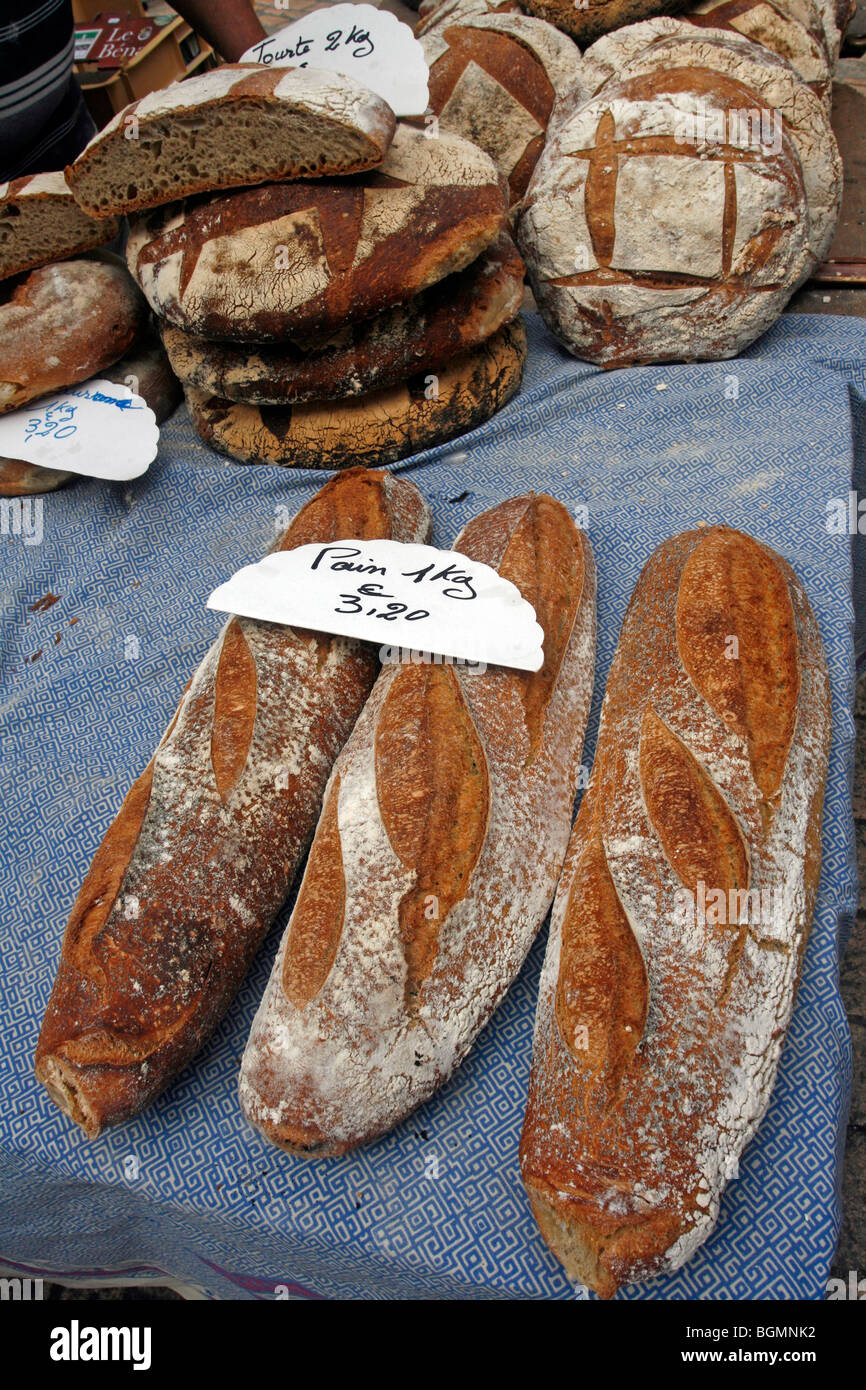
x,y
44,123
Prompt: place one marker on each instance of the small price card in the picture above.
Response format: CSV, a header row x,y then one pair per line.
x,y
99,429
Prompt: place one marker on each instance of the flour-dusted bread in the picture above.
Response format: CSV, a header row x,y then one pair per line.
x,y
435,13
422,335
427,409
203,851
587,20
836,15
663,44
646,243
495,79
63,324
682,914
440,844
266,263
41,222
236,125
145,370
793,29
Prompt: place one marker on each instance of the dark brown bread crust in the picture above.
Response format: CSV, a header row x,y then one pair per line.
x,y
598,17
63,324
288,258
453,316
204,849
657,1038
370,430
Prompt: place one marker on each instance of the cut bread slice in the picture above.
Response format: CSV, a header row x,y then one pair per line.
x,y
41,222
237,125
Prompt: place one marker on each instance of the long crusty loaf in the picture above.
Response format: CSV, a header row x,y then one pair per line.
x,y
441,840
239,124
204,849
682,914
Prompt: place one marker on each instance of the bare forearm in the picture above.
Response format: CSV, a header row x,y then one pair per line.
x,y
230,26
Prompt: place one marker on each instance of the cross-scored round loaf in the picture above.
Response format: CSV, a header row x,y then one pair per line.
x,y
590,18
41,222
264,263
662,44
375,429
453,316
239,124
63,324
642,246
790,28
495,79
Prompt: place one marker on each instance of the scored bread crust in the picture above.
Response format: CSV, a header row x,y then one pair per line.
x,y
422,335
494,79
203,851
63,324
790,28
658,1033
270,262
240,124
380,428
589,20
645,246
668,43
439,12
440,843
40,222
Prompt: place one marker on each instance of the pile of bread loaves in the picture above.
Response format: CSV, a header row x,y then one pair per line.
x,y
672,187
439,803
67,313
333,287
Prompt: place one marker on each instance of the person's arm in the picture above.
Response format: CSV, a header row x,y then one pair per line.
x,y
229,26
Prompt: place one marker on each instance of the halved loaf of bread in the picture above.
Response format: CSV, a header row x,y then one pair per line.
x,y
41,222
239,124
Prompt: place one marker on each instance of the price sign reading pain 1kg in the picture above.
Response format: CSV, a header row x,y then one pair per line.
x,y
387,592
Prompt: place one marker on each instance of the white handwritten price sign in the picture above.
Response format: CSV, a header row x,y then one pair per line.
x,y
99,429
388,592
371,45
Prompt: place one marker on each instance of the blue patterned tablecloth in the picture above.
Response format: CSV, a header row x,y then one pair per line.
x,y
87,685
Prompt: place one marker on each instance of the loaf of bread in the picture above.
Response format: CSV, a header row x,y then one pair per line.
x,y
682,914
63,324
662,44
432,14
647,239
41,222
420,336
424,410
494,79
441,840
588,19
239,124
267,263
792,29
204,849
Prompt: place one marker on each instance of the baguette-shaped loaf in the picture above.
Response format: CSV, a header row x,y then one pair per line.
x,y
683,911
442,837
204,849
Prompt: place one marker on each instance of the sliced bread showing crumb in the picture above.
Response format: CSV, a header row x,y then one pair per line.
x,y
41,222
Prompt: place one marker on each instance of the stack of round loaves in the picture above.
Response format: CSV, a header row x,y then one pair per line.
x,y
67,316
333,288
689,185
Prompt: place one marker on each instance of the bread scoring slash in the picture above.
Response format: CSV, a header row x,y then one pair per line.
x,y
442,837
683,911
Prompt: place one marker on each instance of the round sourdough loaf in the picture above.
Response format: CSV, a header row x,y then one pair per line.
x,y
265,263
242,123
451,317
146,371
643,245
375,429
41,222
587,20
438,12
780,92
790,28
63,324
495,79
